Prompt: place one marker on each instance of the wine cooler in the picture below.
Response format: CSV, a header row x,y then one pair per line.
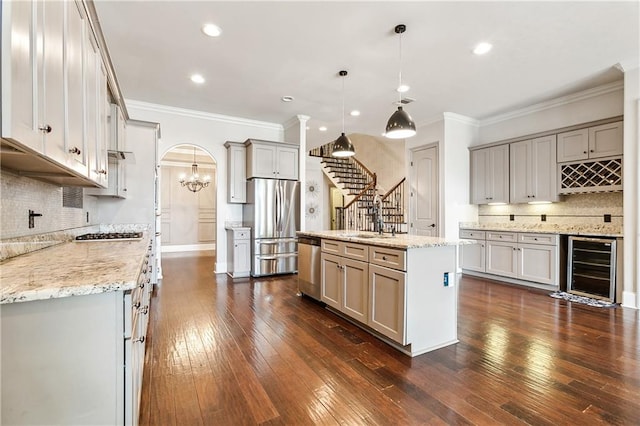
x,y
592,267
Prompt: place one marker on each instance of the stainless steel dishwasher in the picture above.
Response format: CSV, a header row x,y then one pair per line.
x,y
309,266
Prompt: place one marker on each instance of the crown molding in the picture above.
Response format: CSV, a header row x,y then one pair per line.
x,y
553,103
625,66
146,106
296,120
461,118
431,120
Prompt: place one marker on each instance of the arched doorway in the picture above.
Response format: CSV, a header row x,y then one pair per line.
x,y
188,216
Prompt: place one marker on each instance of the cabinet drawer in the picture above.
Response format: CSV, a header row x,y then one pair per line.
x,y
389,258
241,235
331,246
350,250
546,239
472,234
501,236
355,251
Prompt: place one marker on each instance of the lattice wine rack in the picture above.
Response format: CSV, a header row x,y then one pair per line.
x,y
591,176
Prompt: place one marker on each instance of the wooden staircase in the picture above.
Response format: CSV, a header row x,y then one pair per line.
x,y
359,186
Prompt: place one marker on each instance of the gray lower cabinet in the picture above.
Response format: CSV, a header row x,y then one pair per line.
x,y
239,252
522,256
387,305
75,360
402,296
345,285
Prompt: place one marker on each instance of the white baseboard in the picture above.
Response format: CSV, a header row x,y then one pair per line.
x,y
629,299
188,247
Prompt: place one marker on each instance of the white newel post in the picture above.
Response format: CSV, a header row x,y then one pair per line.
x,y
295,130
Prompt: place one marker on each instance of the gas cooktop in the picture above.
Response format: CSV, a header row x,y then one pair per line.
x,y
110,236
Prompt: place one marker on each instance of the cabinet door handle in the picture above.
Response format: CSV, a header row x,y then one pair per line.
x,y
75,150
584,152
591,150
45,129
384,257
139,340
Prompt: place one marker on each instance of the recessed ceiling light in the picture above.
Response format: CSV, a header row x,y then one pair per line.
x,y
482,48
211,30
355,113
402,88
287,98
322,128
197,78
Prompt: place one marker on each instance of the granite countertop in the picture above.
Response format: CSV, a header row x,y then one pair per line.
x,y
594,229
399,241
72,269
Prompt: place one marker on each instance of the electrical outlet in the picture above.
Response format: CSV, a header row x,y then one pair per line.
x,y
607,218
512,217
446,279
543,217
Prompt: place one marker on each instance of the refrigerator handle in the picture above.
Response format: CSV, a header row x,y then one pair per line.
x,y
281,208
276,214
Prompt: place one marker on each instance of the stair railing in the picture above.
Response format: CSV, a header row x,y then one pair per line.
x,y
326,150
356,215
393,207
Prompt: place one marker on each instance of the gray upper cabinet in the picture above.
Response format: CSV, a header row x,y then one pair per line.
x,y
533,170
272,160
236,172
593,142
490,175
46,121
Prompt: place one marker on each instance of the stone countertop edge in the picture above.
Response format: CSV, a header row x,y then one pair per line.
x,y
399,241
594,230
72,269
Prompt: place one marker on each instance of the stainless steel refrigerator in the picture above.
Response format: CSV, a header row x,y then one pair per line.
x,y
273,213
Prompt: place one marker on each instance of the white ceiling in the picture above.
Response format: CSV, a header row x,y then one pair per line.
x,y
542,50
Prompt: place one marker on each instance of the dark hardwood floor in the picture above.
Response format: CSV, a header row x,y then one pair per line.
x,y
221,352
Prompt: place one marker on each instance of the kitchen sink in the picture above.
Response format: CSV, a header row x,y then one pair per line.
x,y
366,235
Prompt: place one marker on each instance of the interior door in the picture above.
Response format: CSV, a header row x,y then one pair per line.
x,y
423,202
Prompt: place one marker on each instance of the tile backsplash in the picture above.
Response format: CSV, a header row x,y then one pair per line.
x,y
576,208
21,194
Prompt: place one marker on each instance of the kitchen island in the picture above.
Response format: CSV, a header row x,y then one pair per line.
x,y
74,318
401,288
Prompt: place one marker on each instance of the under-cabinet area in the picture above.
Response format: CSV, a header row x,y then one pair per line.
x,y
401,289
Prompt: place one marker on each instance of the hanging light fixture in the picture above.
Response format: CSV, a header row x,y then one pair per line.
x,y
400,125
342,147
194,183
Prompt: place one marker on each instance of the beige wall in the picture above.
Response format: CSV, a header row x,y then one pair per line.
x,y
385,157
188,218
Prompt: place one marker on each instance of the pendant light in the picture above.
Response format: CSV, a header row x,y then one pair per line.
x,y
342,147
400,125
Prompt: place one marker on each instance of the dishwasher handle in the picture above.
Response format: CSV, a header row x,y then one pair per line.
x,y
310,241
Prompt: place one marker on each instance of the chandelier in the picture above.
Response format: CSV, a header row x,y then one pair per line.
x,y
194,183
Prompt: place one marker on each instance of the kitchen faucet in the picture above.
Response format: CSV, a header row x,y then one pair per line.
x,y
377,214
